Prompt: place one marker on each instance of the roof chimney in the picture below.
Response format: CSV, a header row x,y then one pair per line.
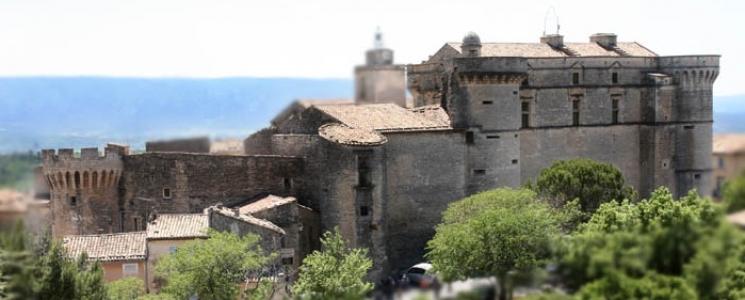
x,y
605,40
553,40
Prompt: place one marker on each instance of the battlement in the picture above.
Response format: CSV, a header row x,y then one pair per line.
x,y
111,150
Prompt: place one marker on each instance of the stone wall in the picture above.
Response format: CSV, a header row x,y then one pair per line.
x,y
189,183
192,145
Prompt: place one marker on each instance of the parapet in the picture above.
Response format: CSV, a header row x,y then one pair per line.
x,y
111,150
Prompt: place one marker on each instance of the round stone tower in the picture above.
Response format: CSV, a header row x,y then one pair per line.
x,y
83,187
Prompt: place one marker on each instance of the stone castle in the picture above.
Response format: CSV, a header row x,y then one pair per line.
x,y
383,167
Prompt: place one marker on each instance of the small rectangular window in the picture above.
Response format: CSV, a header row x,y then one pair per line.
x,y
73,201
575,78
614,78
129,270
514,161
479,171
720,162
287,184
364,211
487,102
688,127
137,223
166,193
469,137
696,176
492,137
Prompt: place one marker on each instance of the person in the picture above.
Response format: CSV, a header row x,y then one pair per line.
x,y
435,285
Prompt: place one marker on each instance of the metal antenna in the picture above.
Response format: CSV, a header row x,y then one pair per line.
x,y
545,19
379,39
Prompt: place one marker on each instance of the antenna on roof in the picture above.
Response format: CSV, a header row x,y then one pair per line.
x,y
379,39
545,19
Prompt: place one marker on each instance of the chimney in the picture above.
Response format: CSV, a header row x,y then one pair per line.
x,y
553,40
605,40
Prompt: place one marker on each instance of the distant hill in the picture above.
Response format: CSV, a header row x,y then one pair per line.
x,y
53,112
75,112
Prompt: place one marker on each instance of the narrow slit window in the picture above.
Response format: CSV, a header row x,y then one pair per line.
x,y
575,112
614,117
487,102
575,78
614,77
479,171
469,137
525,108
73,201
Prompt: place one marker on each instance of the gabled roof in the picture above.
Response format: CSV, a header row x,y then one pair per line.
x,y
178,226
235,214
108,247
384,117
535,50
728,143
268,202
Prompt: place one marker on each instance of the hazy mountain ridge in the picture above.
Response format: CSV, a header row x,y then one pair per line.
x,y
75,112
52,112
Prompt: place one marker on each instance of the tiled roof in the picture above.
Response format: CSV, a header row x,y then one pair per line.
x,y
384,117
433,112
345,135
728,143
268,202
318,102
12,201
108,247
246,218
178,226
544,50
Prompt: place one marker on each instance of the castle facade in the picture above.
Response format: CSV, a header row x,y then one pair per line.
x,y
383,167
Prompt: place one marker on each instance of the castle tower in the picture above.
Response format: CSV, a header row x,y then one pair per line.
x,y
84,190
379,80
485,103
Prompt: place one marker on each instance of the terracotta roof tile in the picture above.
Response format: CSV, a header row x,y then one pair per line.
x,y
345,135
544,50
728,143
235,214
178,226
268,202
385,117
108,247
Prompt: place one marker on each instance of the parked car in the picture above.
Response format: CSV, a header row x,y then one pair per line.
x,y
419,275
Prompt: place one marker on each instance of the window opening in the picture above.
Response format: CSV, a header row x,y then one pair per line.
x,y
575,112
73,201
525,108
469,137
614,77
166,193
364,211
615,111
575,78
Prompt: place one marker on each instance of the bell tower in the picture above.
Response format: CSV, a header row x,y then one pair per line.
x,y
379,80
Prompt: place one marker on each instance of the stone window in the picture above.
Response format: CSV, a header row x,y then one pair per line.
x,y
469,137
524,82
77,180
137,223
575,111
364,211
719,187
487,102
525,108
575,78
720,162
73,201
614,77
514,161
479,171
130,270
287,183
364,174
614,105
166,193
94,177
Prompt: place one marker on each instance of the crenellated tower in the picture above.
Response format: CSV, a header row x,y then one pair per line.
x,y
85,189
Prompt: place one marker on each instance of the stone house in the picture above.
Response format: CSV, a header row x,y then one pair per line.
x,y
121,254
728,159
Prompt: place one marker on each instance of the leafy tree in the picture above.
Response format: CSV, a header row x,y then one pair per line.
x,y
494,233
654,246
733,195
212,268
335,273
18,263
592,182
126,289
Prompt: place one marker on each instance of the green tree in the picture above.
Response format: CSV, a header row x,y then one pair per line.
x,y
592,182
494,233
733,195
657,244
126,289
212,268
335,273
18,263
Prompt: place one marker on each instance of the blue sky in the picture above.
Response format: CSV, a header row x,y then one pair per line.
x,y
324,39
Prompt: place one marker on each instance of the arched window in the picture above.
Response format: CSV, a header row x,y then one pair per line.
x,y
77,180
111,178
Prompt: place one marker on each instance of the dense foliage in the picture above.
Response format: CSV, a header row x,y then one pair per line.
x,y
211,268
589,181
657,249
126,289
494,233
16,170
334,273
40,269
